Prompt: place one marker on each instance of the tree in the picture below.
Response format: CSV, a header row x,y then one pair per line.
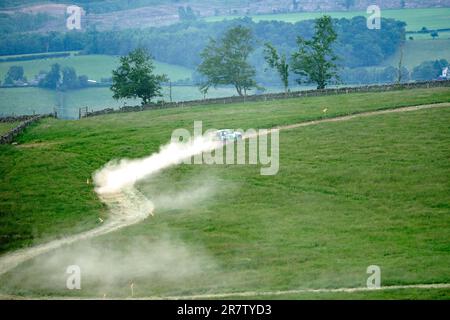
x,y
429,70
52,80
134,78
349,3
69,78
83,81
434,34
315,60
186,14
225,62
279,63
389,74
400,65
15,73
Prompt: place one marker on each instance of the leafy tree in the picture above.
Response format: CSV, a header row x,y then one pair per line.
x,y
225,62
389,74
69,78
52,80
15,73
186,14
429,70
349,3
315,60
134,78
83,81
279,63
404,74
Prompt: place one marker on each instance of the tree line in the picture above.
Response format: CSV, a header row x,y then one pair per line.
x,y
182,43
225,61
58,78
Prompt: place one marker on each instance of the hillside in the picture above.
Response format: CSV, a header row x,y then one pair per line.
x,y
349,194
124,14
431,18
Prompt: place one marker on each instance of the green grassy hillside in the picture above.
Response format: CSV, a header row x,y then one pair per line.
x,y
348,195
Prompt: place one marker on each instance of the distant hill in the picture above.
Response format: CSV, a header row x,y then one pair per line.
x,y
263,6
123,14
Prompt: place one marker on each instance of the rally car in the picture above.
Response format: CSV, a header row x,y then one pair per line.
x,y
226,135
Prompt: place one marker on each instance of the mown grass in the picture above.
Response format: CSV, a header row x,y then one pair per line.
x,y
432,18
348,195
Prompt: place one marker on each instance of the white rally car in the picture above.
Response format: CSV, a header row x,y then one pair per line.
x,y
226,135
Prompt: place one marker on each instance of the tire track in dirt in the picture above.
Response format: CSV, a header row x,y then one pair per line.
x,y
245,294
136,206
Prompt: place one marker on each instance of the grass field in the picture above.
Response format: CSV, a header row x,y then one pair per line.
x,y
417,51
94,66
348,195
432,18
443,35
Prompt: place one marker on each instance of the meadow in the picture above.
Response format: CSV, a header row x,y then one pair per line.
x,y
95,67
350,194
417,51
431,18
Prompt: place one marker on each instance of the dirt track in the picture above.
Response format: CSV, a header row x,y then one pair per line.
x,y
124,209
127,209
250,294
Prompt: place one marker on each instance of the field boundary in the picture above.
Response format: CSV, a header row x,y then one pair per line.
x,y
84,113
26,121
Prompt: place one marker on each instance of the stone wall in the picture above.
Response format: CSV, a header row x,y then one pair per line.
x,y
271,96
10,119
9,136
